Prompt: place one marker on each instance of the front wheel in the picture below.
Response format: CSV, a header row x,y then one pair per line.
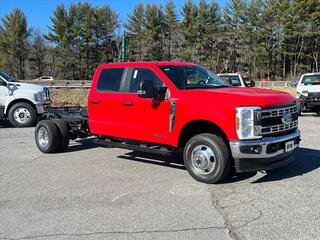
x,y
207,158
22,114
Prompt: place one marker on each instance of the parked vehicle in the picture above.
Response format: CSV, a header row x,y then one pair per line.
x,y
236,80
308,92
165,107
44,78
21,103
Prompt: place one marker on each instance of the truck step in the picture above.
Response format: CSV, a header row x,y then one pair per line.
x,y
135,146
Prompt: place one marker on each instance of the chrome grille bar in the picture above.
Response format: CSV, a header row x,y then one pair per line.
x,y
276,112
277,128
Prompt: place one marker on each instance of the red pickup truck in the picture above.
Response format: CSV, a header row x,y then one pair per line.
x,y
165,107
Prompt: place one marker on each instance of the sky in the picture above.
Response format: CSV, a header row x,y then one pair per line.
x,y
38,12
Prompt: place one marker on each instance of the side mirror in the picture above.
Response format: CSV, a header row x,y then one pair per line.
x,y
146,89
294,83
160,93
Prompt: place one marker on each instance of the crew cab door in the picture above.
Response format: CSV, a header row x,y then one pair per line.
x,y
147,118
4,92
106,115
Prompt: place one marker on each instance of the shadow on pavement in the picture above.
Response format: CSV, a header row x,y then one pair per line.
x,y
306,161
172,161
82,144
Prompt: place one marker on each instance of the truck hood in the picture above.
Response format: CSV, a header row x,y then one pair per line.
x,y
304,90
238,97
26,87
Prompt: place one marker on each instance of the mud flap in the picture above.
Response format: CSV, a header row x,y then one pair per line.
x,y
1,112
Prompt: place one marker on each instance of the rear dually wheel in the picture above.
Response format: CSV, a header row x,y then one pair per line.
x,y
47,136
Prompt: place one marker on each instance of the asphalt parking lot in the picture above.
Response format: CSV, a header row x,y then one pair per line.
x,y
91,192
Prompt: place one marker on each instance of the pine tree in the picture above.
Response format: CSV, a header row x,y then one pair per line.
x,y
154,32
60,35
14,34
234,17
38,52
189,31
135,32
171,31
209,29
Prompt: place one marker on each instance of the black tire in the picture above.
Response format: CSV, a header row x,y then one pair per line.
x,y
64,134
220,160
53,134
28,115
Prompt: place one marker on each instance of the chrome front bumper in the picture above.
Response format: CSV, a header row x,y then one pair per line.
x,y
264,159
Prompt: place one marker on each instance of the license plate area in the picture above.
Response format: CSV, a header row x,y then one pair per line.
x,y
289,146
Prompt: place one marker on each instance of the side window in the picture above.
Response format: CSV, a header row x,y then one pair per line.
x,y
110,79
140,74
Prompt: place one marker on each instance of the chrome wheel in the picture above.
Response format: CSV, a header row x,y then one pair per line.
x,y
21,115
203,159
43,137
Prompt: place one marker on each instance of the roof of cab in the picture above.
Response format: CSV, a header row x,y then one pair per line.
x,y
228,74
146,63
310,74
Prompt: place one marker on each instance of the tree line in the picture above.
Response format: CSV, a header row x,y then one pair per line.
x,y
267,39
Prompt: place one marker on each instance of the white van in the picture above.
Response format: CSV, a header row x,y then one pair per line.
x,y
21,103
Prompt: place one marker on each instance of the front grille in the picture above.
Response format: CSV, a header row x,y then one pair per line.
x,y
270,121
313,97
314,94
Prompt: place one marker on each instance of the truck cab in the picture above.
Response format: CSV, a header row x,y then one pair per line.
x,y
308,92
167,107
236,80
21,103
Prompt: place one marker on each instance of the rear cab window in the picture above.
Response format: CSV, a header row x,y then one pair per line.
x,y
110,79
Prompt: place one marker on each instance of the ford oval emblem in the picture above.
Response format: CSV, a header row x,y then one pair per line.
x,y
287,118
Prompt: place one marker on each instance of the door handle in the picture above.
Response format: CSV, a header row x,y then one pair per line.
x,y
127,104
95,101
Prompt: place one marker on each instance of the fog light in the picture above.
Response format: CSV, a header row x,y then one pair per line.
x,y
257,149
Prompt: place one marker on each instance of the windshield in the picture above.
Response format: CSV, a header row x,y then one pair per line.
x,y
6,77
311,80
193,77
234,80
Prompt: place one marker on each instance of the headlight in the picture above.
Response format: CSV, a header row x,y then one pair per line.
x,y
40,96
245,122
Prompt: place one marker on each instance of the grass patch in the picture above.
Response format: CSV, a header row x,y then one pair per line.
x,y
68,97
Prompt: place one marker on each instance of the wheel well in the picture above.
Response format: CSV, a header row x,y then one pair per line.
x,y
197,127
19,101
